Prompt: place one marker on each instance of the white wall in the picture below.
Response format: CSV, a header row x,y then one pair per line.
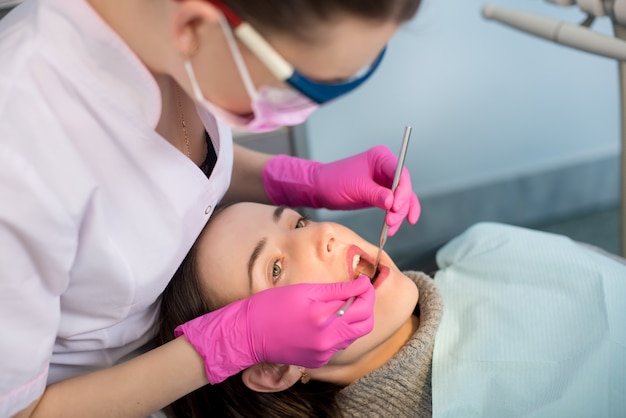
x,y
485,102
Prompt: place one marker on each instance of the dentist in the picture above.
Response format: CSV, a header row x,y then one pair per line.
x,y
116,147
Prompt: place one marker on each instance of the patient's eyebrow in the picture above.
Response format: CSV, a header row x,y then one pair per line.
x,y
258,249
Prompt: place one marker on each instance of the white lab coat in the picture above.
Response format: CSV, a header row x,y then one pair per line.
x,y
96,209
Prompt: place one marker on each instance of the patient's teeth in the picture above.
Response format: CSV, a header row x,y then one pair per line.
x,y
355,261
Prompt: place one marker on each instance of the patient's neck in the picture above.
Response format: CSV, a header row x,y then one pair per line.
x,y
344,375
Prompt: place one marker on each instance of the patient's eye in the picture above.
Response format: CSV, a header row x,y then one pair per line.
x,y
276,271
277,266
302,221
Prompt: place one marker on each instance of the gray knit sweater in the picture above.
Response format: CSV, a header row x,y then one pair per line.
x,y
402,387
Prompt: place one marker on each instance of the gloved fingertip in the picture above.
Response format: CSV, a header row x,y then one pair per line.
x,y
393,218
386,199
393,229
364,282
414,211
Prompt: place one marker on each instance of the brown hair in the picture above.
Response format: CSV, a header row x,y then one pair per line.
x,y
300,17
182,301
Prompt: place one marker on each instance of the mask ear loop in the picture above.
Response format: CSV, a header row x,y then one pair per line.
x,y
191,75
239,62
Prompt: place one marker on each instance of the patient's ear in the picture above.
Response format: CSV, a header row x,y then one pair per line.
x,y
270,377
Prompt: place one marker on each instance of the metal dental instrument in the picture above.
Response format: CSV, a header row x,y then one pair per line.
x,y
396,179
345,306
383,233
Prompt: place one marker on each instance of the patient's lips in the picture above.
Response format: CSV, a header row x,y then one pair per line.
x,y
383,272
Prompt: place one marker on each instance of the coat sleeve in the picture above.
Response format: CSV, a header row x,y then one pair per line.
x,y
37,246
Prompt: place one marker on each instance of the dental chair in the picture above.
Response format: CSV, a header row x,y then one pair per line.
x,y
582,37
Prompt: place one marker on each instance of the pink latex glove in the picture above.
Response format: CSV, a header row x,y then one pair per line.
x,y
356,182
294,324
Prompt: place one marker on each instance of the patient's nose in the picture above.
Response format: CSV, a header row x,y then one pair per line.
x,y
324,240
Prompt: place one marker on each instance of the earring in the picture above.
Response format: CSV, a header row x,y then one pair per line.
x,y
304,379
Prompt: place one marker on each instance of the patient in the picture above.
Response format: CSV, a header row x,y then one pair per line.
x,y
247,248
534,324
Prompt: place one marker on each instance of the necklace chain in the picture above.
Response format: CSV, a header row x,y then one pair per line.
x,y
182,121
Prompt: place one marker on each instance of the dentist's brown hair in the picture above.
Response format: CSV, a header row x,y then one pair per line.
x,y
301,18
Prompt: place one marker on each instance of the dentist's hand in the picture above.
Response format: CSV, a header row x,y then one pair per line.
x,y
356,182
294,324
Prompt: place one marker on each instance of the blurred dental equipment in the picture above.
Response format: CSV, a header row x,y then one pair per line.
x,y
579,37
582,37
385,229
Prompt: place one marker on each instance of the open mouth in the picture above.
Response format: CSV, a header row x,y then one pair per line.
x,y
362,266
